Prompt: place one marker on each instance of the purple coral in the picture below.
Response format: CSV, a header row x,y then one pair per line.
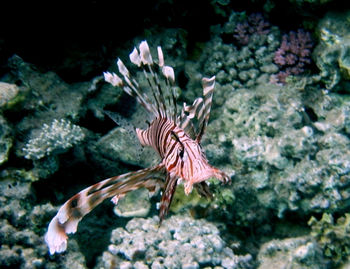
x,y
293,54
255,24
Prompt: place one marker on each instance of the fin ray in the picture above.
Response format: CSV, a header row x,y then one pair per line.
x,y
199,110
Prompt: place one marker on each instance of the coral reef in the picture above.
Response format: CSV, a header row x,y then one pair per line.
x,y
117,144
181,242
256,54
47,96
247,64
283,158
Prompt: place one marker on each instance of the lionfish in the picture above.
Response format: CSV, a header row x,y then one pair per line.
x,y
174,136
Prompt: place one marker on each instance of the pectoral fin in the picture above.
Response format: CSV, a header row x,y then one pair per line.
x,y
69,215
167,197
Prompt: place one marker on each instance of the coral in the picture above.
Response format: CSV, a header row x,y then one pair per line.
x,y
55,138
299,252
293,54
253,25
333,237
180,242
332,53
256,56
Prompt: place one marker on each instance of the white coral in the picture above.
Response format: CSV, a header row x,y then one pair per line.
x,y
59,135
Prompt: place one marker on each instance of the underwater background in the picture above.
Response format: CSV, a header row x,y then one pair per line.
x,y
279,126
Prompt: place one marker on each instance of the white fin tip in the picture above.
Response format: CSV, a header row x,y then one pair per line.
x,y
122,68
160,57
112,79
135,57
145,54
56,237
168,72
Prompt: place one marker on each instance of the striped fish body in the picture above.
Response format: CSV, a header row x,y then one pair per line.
x,y
175,136
182,156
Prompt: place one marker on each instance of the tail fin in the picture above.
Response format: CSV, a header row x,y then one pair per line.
x,y
142,58
69,215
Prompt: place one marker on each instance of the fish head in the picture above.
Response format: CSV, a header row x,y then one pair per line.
x,y
189,162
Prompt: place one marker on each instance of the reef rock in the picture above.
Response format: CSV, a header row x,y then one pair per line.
x,y
300,252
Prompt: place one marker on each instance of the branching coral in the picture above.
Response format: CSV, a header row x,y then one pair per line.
x,y
293,54
58,136
255,24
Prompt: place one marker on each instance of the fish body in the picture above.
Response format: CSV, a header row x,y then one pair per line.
x,y
182,156
174,136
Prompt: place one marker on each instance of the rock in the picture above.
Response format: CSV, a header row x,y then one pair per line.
x,y
123,145
332,53
5,140
134,204
8,94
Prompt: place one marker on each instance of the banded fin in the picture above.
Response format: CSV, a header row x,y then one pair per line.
x,y
167,197
142,58
69,215
170,188
199,110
